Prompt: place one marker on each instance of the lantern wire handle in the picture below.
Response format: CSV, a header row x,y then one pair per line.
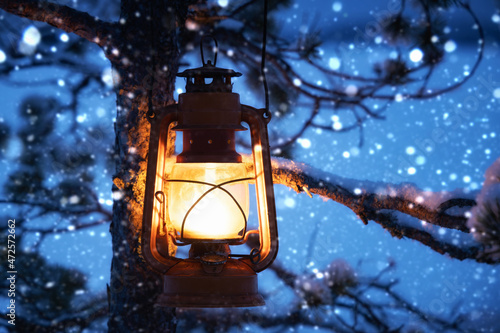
x,y
266,114
216,51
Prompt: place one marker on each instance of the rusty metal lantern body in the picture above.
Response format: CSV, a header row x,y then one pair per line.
x,y
199,196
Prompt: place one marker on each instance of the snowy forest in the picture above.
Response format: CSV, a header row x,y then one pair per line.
x,y
385,160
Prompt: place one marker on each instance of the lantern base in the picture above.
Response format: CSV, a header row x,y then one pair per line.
x,y
188,285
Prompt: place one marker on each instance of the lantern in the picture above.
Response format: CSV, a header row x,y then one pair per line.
x,y
200,197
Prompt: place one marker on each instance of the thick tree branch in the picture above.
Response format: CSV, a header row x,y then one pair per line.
x,y
62,17
388,205
367,198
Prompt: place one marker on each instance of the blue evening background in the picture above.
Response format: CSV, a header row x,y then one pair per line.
x,y
313,231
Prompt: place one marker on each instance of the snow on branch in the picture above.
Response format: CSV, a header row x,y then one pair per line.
x,y
484,221
62,17
404,210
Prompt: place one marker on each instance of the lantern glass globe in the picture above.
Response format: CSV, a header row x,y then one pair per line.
x,y
207,202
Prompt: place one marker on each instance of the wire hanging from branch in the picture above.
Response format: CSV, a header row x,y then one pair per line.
x,y
263,60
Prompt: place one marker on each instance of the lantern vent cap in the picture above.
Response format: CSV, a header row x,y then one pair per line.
x,y
219,79
209,79
208,71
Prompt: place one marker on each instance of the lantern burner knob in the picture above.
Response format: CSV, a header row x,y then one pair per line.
x,y
211,256
213,263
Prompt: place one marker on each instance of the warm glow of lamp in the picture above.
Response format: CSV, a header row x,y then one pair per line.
x,y
208,201
200,197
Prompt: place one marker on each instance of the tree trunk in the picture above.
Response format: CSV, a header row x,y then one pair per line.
x,y
146,60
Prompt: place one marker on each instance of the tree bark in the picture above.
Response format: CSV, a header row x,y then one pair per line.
x,y
146,60
143,50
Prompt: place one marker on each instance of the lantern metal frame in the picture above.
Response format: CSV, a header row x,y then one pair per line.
x,y
195,282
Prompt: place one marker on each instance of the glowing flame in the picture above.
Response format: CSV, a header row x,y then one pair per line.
x,y
210,212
